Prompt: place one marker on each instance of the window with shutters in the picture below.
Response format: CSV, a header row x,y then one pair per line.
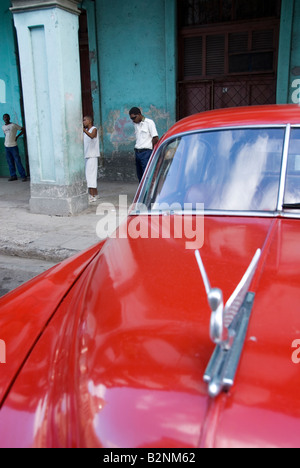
x,y
227,53
249,51
193,56
244,42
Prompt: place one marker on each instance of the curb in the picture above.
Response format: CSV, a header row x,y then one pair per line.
x,y
52,255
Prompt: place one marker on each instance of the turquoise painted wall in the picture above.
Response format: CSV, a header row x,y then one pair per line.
x,y
136,44
9,82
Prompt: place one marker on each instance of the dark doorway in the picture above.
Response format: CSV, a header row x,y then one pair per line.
x,y
227,53
87,103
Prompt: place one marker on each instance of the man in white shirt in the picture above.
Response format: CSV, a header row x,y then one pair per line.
x,y
146,138
11,148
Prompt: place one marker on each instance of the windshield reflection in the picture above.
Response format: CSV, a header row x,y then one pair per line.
x,y
235,170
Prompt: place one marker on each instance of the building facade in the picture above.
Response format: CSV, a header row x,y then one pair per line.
x,y
61,59
10,85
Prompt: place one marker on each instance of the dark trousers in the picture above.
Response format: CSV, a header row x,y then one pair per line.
x,y
13,159
141,160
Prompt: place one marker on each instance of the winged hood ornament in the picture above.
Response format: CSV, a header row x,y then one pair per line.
x,y
227,324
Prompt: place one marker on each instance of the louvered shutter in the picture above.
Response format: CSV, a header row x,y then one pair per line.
x,y
215,55
193,56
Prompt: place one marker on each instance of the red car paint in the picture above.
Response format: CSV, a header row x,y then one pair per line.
x,y
109,348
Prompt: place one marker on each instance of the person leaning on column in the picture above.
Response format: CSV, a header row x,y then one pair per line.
x,y
91,155
10,130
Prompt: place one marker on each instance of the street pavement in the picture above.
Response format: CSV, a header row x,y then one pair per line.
x,y
15,271
54,238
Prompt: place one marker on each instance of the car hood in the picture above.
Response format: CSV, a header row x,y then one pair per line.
x,y
26,312
121,362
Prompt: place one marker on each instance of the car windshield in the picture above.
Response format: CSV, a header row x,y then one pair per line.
x,y
231,169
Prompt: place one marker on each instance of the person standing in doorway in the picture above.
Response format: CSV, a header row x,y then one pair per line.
x,y
146,138
91,154
14,162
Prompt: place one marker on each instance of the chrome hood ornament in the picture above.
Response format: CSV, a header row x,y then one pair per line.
x,y
228,326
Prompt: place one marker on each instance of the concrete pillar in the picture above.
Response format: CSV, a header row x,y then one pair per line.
x,y
47,34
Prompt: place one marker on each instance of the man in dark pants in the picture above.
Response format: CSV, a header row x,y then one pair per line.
x,y
11,148
146,138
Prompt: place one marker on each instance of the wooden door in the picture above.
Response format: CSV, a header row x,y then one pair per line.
x,y
227,54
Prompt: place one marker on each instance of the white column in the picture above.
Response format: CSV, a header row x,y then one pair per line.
x,y
47,34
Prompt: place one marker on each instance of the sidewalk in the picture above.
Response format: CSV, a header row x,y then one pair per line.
x,y
52,238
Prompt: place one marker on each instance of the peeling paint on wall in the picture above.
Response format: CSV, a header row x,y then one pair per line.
x,y
160,117
93,56
120,130
94,86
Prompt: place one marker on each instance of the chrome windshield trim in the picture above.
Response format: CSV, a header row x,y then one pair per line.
x,y
240,214
253,214
284,168
244,214
288,214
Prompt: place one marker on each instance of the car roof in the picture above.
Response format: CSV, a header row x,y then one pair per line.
x,y
276,114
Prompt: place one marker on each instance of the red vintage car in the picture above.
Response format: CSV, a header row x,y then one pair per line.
x,y
182,330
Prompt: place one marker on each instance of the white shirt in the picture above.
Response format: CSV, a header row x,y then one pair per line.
x,y
145,131
10,132
91,145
